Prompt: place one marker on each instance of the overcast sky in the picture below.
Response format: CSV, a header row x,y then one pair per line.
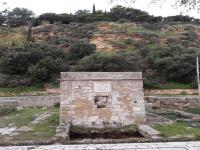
x,y
70,6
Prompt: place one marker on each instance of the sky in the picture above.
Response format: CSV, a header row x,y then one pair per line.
x,y
70,6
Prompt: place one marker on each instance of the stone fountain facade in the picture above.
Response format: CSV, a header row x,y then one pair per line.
x,y
101,99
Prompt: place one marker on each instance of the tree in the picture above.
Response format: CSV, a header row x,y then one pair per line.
x,y
120,12
82,12
94,9
51,17
1,18
19,17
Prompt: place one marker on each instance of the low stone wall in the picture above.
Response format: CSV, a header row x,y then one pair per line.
x,y
30,101
174,102
171,92
7,106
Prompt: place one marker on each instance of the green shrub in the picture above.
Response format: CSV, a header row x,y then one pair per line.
x,y
40,62
45,68
105,62
14,80
17,61
80,50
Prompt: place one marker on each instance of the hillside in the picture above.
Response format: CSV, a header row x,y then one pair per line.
x,y
108,36
165,53
118,36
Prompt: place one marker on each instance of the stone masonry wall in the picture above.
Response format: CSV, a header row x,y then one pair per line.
x,y
102,99
30,101
174,102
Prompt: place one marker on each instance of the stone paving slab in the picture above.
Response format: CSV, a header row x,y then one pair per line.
x,y
3,129
9,131
149,132
42,117
128,146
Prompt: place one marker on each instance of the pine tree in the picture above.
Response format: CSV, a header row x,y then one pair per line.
x,y
94,9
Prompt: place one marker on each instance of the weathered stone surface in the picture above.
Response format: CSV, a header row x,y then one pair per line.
x,y
177,102
125,146
42,117
3,129
98,99
186,114
9,131
62,132
24,129
30,101
149,132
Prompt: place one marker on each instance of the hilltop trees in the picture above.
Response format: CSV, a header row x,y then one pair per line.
x,y
117,13
133,15
51,17
17,17
2,18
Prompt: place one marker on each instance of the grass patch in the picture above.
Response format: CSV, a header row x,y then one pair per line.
x,y
177,129
47,129
42,132
172,116
17,91
175,85
193,110
21,117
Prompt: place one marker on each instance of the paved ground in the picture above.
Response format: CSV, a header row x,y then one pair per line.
x,y
131,146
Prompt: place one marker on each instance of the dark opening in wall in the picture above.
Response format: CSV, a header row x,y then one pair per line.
x,y
101,101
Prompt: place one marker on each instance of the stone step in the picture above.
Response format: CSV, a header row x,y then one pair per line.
x,y
149,132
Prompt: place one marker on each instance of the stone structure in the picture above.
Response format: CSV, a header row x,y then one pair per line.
x,y
30,101
104,99
177,102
